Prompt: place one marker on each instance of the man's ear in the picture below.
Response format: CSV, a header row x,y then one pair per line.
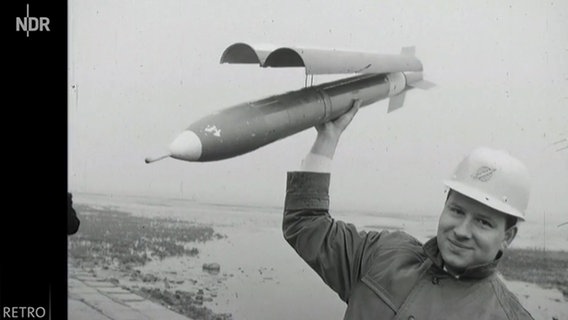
x,y
509,236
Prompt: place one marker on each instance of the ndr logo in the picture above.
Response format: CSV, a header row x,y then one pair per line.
x,y
28,23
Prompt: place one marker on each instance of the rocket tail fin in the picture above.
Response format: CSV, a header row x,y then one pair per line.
x,y
422,84
415,79
396,102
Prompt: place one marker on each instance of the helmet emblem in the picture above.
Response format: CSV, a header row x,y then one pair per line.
x,y
483,174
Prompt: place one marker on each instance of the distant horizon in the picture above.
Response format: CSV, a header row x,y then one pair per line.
x,y
338,210
532,234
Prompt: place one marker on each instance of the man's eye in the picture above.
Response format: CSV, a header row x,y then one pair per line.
x,y
457,210
485,223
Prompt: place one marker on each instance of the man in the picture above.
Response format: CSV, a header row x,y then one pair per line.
x,y
390,275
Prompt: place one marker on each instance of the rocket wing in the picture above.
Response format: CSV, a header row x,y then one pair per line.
x,y
320,61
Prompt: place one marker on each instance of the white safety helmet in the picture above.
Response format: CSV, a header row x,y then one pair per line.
x,y
494,178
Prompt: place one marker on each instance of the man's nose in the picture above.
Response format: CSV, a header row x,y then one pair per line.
x,y
463,230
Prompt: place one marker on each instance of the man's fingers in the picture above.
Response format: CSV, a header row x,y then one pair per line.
x,y
357,103
340,123
343,121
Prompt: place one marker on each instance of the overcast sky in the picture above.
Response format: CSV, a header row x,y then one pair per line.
x,y
142,71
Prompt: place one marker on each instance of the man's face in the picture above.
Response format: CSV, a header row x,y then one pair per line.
x,y
471,233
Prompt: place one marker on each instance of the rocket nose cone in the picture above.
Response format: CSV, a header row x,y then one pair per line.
x,y
186,146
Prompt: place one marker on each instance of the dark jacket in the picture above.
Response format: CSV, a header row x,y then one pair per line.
x,y
386,275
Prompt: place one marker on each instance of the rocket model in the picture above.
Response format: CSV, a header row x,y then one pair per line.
x,y
245,127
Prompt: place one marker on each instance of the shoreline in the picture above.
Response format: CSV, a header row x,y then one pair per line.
x,y
167,265
113,245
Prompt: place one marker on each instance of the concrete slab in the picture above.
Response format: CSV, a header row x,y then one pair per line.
x,y
78,310
156,311
99,284
110,308
83,274
101,300
125,297
87,278
113,289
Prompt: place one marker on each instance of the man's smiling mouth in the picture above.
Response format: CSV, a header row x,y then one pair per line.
x,y
458,245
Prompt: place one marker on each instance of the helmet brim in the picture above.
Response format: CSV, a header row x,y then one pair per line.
x,y
485,199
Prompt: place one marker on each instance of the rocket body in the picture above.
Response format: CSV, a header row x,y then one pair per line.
x,y
246,127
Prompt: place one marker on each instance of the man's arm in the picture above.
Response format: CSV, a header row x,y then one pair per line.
x,y
323,149
335,250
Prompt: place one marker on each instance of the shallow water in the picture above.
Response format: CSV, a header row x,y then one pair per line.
x,y
261,276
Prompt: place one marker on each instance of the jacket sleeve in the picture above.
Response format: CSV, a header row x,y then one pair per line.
x,y
334,249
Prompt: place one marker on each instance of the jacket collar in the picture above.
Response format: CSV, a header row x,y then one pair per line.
x,y
476,272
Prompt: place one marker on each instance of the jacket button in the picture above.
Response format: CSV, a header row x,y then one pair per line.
x,y
411,318
435,280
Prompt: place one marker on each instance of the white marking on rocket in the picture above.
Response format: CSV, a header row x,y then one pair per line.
x,y
213,129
